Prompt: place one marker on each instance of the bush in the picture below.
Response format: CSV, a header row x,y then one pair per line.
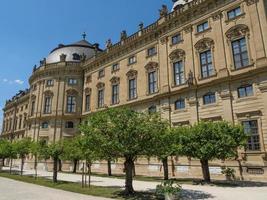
x,y
229,173
168,187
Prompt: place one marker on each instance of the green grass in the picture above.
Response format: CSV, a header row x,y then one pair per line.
x,y
108,192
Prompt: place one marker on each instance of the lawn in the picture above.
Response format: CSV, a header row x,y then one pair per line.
x,y
108,192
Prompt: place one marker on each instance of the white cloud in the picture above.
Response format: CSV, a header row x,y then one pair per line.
x,y
17,81
20,82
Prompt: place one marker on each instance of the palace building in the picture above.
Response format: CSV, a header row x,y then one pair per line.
x,y
203,60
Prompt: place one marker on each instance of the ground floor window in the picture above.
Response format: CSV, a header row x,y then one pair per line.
x,y
252,130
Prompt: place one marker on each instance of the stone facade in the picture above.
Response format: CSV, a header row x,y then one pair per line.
x,y
206,60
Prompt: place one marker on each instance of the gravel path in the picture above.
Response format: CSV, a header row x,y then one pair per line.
x,y
189,191
15,190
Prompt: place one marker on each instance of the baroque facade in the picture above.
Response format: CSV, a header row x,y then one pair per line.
x,y
205,60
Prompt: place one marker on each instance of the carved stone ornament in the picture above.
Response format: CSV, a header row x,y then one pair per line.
x,y
237,31
63,57
48,93
188,29
123,35
190,80
216,16
100,85
87,90
72,92
250,2
225,94
132,73
33,97
108,43
115,80
204,44
177,54
163,12
151,66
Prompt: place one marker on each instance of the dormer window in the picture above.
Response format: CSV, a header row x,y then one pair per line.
x,y
76,56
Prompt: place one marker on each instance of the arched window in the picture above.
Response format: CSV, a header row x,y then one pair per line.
x,y
69,124
44,125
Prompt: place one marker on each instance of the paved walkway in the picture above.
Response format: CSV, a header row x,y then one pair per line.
x,y
190,191
15,190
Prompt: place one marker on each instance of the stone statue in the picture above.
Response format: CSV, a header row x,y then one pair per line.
x,y
108,43
163,12
123,35
141,26
190,80
43,62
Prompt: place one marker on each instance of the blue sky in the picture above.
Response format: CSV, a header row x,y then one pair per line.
x,y
32,28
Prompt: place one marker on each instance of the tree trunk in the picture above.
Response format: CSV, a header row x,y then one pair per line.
x,y
35,165
205,170
55,170
22,165
75,162
165,168
240,169
89,174
59,165
129,163
83,176
3,162
10,169
109,168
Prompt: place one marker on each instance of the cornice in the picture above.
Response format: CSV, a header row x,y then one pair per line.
x,y
157,31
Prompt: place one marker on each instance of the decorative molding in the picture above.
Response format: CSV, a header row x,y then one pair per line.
x,y
204,44
263,86
250,2
131,74
188,29
115,80
237,31
87,90
225,94
48,93
177,54
72,92
100,85
217,16
249,114
151,66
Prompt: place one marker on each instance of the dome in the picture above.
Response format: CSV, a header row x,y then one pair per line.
x,y
72,51
179,3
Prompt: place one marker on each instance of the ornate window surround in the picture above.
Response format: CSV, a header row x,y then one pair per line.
x,y
87,91
100,86
132,74
71,92
176,56
152,67
201,46
48,93
235,33
115,80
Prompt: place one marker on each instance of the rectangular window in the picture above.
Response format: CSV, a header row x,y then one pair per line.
x,y
209,98
101,73
234,13
240,53
72,81
87,102
101,98
115,67
178,71
132,89
20,122
47,105
206,64
245,91
33,108
251,129
176,39
152,51
49,83
132,60
71,104
152,82
202,27
115,94
180,104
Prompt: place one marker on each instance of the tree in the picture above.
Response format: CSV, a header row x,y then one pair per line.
x,y
72,151
207,141
22,149
163,141
130,135
5,147
54,150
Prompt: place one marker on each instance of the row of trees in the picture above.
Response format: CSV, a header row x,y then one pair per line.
x,y
124,133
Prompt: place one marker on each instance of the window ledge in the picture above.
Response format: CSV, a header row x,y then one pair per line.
x,y
152,55
180,85
242,99
209,105
174,44
129,64
200,78
180,111
244,67
150,94
114,71
132,99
